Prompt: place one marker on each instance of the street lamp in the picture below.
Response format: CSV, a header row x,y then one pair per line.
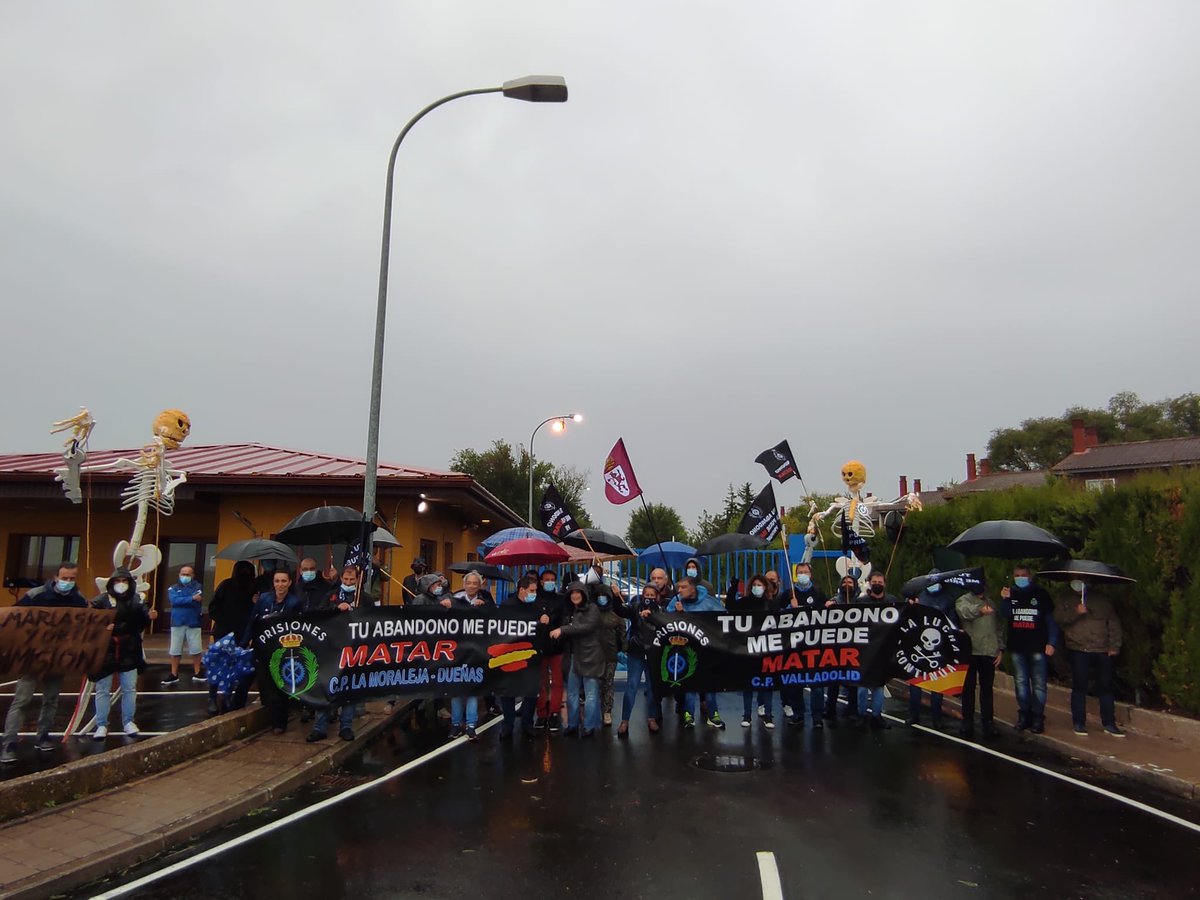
x,y
560,424
534,89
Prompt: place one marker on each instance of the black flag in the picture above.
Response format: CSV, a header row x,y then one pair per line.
x,y
557,520
762,518
779,462
853,542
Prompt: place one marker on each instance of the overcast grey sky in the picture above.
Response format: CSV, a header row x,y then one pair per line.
x,y
877,230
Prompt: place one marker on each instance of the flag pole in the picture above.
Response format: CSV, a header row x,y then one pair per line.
x,y
654,531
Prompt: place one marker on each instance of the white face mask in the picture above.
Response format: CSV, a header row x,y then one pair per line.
x,y
120,588
1077,586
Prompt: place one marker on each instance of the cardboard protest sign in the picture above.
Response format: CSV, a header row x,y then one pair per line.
x,y
47,640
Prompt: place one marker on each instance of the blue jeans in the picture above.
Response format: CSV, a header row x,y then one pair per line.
x,y
460,705
765,698
1029,675
870,701
689,703
345,718
636,672
816,702
591,701
128,697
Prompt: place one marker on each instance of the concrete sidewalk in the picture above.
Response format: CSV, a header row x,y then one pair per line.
x,y
1160,749
66,846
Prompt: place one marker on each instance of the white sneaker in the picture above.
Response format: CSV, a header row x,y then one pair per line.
x,y
762,711
101,733
787,712
131,729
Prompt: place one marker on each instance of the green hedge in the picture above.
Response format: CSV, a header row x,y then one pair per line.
x,y
1150,527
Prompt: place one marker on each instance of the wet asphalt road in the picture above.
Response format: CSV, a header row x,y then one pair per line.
x,y
847,813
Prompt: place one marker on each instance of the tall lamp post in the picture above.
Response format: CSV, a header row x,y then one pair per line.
x,y
533,88
560,424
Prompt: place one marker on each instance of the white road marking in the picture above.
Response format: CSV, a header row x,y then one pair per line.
x,y
286,820
116,733
768,873
145,694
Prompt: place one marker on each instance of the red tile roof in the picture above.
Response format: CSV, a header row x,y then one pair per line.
x,y
996,481
234,461
1161,454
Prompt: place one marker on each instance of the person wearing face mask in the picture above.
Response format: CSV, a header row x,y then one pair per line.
x,y
987,633
550,697
640,640
804,594
525,602
411,585
343,600
583,660
186,598
847,593
59,592
430,591
1092,635
124,657
691,569
934,596
613,642
870,699
692,598
754,599
313,588
1032,634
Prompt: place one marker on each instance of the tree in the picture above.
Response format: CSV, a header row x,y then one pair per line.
x,y
710,525
1040,443
505,472
667,523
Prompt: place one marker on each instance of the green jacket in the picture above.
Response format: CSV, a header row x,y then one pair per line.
x,y
987,633
1096,631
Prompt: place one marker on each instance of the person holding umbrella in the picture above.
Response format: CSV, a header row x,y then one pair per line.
x,y
1092,634
550,697
986,631
525,601
1032,634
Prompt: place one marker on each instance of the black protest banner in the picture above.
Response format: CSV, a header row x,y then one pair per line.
x,y
557,520
47,640
762,516
861,644
328,657
779,462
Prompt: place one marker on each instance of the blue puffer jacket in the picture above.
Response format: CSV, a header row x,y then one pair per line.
x,y
185,611
704,602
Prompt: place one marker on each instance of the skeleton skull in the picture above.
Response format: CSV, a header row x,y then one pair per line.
x,y
854,474
173,426
931,639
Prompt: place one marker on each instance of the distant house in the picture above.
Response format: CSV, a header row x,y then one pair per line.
x,y
981,478
1097,466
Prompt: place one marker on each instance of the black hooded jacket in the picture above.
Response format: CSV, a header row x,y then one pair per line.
x,y
125,643
233,602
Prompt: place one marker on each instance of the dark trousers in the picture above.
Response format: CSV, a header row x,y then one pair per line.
x,y
832,690
982,670
1082,666
914,705
508,706
273,700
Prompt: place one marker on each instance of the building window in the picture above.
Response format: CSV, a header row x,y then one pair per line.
x,y
35,558
1100,484
429,554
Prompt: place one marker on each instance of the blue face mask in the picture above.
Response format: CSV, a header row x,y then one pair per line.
x,y
804,581
64,587
185,579
602,601
530,597
758,590
549,586
1021,581
308,576
436,591
349,588
692,572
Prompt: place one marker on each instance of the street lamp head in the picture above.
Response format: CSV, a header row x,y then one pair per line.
x,y
577,417
537,89
558,425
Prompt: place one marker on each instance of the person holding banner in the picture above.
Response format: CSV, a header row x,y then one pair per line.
x,y
933,597
583,660
641,638
464,711
756,600
986,631
280,600
342,600
58,593
692,598
526,601
125,657
804,594
870,699
847,594
550,697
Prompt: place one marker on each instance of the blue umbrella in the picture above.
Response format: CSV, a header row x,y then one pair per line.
x,y
490,543
672,556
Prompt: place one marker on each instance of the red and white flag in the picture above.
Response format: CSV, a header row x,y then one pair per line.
x,y
620,484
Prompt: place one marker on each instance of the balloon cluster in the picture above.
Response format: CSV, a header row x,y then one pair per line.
x,y
229,666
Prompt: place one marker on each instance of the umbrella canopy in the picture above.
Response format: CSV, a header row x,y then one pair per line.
x,y
1007,539
495,573
1086,570
258,548
672,556
952,579
730,543
527,552
601,543
384,538
324,524
492,541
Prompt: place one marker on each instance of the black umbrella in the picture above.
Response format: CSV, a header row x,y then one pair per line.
x,y
958,578
1086,570
258,548
1007,539
384,538
325,524
602,543
486,570
730,543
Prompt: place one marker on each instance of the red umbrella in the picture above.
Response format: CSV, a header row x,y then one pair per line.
x,y
527,552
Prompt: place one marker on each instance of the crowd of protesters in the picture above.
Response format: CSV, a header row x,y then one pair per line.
x,y
592,628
